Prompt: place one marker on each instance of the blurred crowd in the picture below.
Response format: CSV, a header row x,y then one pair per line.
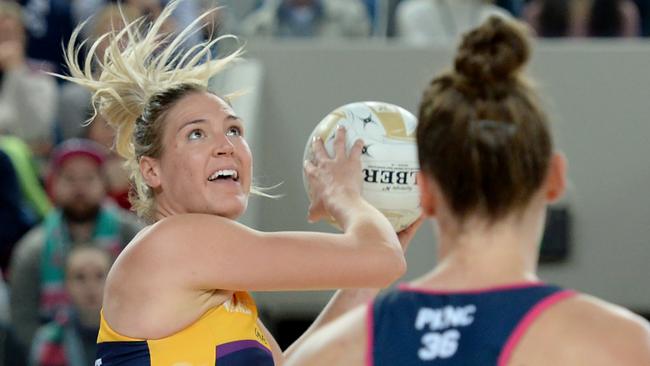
x,y
64,209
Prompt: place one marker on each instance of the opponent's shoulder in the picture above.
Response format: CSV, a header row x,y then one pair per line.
x,y
606,333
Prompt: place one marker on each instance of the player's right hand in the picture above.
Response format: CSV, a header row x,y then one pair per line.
x,y
335,180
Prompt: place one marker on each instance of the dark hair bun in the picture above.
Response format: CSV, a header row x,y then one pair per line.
x,y
493,52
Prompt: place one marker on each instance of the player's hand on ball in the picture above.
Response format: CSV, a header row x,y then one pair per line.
x,y
332,179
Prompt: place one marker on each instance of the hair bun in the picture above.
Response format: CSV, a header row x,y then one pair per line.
x,y
493,52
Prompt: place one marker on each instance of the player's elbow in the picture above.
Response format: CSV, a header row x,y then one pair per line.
x,y
390,268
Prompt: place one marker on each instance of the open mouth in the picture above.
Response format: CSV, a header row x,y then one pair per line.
x,y
224,175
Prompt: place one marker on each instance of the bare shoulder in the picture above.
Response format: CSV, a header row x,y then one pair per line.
x,y
142,288
158,251
615,331
601,333
189,224
176,233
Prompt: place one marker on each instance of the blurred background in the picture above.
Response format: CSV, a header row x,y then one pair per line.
x,y
63,189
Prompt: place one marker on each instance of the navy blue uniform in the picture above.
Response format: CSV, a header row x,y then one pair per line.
x,y
412,326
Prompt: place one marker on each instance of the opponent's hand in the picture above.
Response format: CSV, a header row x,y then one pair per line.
x,y
335,180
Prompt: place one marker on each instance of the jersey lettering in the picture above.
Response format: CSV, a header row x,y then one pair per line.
x,y
446,317
437,342
439,345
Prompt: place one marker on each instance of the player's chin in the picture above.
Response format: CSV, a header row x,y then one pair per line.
x,y
232,207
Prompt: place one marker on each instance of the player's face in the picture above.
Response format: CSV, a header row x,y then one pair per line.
x,y
206,164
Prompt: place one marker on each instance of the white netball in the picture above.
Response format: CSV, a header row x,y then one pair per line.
x,y
389,160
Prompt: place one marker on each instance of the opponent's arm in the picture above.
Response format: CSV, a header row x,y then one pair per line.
x,y
341,342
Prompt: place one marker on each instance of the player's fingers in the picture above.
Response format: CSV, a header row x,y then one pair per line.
x,y
315,213
357,148
318,148
308,167
339,142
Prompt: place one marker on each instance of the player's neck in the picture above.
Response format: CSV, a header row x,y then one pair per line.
x,y
482,254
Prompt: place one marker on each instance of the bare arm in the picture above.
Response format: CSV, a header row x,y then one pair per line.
x,y
225,255
342,302
342,342
346,300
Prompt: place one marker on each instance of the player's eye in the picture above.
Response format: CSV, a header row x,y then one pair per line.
x,y
195,135
234,131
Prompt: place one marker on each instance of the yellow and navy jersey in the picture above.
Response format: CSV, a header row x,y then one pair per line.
x,y
226,335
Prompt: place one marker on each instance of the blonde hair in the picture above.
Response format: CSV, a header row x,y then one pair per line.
x,y
143,73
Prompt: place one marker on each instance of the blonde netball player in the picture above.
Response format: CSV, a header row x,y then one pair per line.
x,y
177,294
488,171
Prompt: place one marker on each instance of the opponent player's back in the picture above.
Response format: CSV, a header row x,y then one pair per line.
x,y
584,330
532,324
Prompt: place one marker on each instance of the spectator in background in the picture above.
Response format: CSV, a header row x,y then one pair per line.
x,y
378,15
49,24
78,187
71,339
10,353
441,21
14,219
583,18
4,305
308,18
644,13
33,196
74,102
613,18
186,12
224,20
117,177
231,12
514,7
4,320
382,16
555,18
27,97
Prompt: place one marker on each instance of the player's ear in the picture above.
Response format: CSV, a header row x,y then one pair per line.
x,y
555,183
428,191
150,169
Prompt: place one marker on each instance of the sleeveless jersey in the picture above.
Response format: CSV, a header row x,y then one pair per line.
x,y
226,335
414,326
